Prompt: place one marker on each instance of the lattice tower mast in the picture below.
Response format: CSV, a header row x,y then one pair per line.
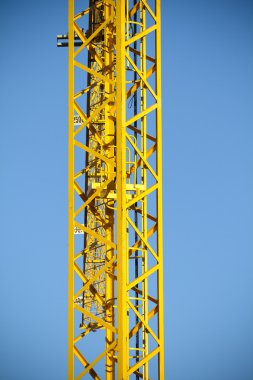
x,y
115,311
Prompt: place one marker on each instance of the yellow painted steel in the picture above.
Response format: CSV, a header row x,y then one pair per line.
x,y
115,281
70,192
122,249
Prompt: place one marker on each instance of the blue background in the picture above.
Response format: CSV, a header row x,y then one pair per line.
x,y
208,189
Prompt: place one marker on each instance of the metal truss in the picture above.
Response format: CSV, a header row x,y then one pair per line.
x,y
115,295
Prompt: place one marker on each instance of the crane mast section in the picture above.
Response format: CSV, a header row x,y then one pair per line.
x,y
115,280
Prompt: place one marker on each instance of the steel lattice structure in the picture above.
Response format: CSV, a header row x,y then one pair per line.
x,y
115,296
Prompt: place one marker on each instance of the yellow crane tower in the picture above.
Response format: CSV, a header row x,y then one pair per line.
x,y
115,281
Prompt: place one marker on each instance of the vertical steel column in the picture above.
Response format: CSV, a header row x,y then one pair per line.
x,y
109,212
70,191
143,68
159,192
122,263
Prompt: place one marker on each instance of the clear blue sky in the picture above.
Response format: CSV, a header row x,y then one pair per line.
x,y
208,189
